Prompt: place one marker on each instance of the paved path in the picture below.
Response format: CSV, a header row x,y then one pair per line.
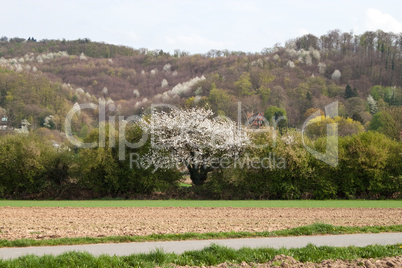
x,y
181,246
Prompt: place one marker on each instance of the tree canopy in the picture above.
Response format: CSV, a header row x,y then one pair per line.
x,y
193,138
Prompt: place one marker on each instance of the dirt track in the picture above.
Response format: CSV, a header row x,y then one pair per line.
x,y
41,223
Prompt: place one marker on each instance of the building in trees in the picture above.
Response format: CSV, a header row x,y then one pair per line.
x,y
255,120
4,123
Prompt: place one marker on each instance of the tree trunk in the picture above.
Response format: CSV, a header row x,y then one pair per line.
x,y
198,174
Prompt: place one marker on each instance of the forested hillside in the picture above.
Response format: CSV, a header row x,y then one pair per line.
x,y
41,81
45,78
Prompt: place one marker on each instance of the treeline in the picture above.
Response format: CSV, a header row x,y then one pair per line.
x,y
18,47
32,167
368,167
376,55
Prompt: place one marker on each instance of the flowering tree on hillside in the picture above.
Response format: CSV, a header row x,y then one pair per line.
x,y
194,139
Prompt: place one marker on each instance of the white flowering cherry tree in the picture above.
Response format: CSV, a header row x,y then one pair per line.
x,y
195,139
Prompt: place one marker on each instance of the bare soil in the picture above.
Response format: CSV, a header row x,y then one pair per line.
x,y
43,223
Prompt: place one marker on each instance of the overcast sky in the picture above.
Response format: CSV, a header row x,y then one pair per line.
x,y
194,26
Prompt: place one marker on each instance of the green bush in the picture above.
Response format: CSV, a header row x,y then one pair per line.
x,y
31,167
369,167
104,175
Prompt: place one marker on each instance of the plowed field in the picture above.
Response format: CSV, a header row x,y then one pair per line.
x,y
42,223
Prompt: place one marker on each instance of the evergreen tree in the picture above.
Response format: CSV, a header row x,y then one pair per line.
x,y
357,117
349,92
276,116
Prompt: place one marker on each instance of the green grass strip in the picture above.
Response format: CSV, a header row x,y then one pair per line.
x,y
314,229
211,255
206,203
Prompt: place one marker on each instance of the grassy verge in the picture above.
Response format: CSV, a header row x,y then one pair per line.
x,y
206,203
212,255
314,229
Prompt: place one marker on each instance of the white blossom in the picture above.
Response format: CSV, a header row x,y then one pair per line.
x,y
291,45
165,97
373,108
300,59
48,56
291,52
164,83
192,138
77,107
157,98
104,90
83,57
290,64
308,59
167,67
18,68
185,87
336,75
276,57
48,120
62,54
322,67
174,73
315,53
136,93
258,63
66,86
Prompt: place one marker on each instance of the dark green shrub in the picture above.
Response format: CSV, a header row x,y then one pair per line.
x,y
32,167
